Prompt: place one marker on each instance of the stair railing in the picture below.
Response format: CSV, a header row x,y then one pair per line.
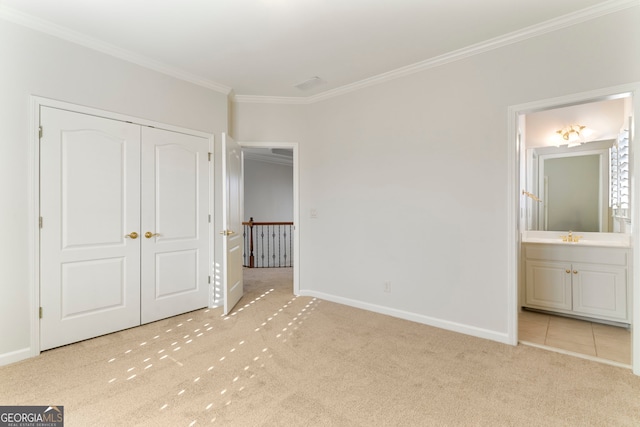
x,y
267,244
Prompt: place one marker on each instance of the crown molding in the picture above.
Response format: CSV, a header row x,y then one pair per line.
x,y
267,157
258,99
457,55
47,27
58,31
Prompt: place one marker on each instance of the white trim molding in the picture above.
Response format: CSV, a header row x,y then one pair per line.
x,y
413,317
63,33
55,30
16,356
456,55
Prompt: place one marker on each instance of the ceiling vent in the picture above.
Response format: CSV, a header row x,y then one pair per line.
x,y
312,83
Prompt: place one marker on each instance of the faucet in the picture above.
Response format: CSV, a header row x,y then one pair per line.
x,y
571,238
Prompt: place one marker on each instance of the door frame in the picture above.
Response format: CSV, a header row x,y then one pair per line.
x,y
514,198
296,202
34,196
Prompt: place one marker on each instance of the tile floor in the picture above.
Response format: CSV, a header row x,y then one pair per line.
x,y
592,339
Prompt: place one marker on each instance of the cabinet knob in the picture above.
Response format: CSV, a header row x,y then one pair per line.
x,y
568,271
575,271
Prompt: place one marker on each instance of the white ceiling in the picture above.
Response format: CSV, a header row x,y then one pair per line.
x,y
266,47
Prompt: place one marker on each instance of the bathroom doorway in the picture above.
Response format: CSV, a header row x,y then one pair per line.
x,y
547,127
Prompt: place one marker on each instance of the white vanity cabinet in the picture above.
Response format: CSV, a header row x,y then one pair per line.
x,y
586,281
548,284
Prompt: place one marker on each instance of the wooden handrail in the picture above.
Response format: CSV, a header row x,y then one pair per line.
x,y
251,223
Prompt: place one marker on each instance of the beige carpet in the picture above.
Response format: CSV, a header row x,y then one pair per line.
x,y
281,360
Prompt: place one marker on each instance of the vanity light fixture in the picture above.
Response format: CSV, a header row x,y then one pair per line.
x,y
570,132
574,135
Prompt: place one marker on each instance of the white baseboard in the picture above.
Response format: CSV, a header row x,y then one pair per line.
x,y
414,317
581,356
15,356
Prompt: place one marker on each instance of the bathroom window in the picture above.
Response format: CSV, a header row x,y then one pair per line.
x,y
620,176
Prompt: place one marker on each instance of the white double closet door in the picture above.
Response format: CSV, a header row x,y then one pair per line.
x,y
125,225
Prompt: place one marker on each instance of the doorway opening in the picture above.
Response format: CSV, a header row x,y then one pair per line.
x,y
270,175
565,291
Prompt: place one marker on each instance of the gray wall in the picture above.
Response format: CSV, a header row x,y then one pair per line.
x,y
412,174
268,191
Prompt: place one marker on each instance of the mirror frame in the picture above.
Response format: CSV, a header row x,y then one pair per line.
x,y
536,157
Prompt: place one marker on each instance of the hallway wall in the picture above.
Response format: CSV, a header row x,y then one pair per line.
x,y
268,191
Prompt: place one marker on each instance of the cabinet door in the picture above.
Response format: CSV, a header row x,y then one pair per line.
x,y
548,285
600,290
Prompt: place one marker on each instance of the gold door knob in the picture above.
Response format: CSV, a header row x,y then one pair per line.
x,y
149,234
132,235
575,271
568,271
227,232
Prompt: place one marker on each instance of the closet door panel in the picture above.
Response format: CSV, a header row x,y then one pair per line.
x,y
90,200
175,171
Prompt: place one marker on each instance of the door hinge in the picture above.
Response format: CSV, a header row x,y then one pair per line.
x,y
40,313
209,279
40,222
209,218
209,156
39,131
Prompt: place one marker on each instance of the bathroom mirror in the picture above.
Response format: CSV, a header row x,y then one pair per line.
x,y
574,188
582,182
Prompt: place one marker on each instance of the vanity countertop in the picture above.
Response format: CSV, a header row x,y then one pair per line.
x,y
617,240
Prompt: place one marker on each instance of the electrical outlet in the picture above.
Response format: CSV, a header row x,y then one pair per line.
x,y
387,287
313,213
